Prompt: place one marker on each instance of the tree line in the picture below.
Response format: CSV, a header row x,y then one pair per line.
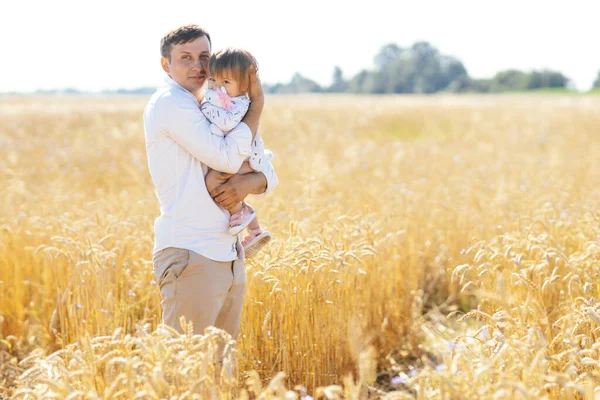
x,y
421,68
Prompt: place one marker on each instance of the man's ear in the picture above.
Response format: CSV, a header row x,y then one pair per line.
x,y
165,64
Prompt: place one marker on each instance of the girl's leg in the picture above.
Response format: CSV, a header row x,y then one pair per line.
x,y
254,224
256,239
241,219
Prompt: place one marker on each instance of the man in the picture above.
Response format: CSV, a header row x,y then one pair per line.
x,y
198,265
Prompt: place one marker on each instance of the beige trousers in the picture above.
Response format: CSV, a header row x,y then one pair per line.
x,y
204,291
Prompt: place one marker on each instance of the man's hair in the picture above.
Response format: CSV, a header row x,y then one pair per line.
x,y
183,34
235,61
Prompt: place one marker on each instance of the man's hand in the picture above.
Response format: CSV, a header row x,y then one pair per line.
x,y
255,90
257,98
237,187
222,177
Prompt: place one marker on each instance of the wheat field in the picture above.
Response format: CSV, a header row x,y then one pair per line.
x,y
443,247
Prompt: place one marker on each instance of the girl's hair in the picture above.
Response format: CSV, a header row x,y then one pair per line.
x,y
236,62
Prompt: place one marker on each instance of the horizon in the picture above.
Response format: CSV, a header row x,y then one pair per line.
x,y
531,36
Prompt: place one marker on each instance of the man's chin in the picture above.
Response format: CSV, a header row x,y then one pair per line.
x,y
198,83
194,85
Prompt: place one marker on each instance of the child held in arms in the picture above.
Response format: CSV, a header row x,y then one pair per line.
x,y
225,104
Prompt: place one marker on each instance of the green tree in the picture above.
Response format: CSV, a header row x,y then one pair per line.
x,y
509,80
596,84
461,84
357,83
422,68
339,84
515,80
547,79
419,69
298,84
387,55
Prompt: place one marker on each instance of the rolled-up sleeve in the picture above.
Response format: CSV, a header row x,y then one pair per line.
x,y
182,120
269,173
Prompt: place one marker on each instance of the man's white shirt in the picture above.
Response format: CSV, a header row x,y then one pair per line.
x,y
180,148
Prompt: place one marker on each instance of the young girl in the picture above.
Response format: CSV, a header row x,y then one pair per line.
x,y
226,103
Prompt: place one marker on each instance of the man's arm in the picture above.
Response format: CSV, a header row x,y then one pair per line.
x,y
270,175
186,125
236,188
257,99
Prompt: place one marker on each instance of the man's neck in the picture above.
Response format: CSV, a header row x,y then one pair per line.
x,y
199,95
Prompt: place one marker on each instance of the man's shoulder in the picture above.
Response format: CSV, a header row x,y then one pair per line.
x,y
169,95
163,103
164,95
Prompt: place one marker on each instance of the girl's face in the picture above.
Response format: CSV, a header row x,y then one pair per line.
x,y
226,80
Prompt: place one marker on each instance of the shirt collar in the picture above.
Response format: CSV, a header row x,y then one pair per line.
x,y
171,82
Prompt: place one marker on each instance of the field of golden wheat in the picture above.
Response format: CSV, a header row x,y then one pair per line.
x,y
443,247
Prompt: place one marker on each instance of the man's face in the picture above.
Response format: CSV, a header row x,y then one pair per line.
x,y
189,63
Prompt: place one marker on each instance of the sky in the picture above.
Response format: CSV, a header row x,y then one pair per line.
x,y
115,44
